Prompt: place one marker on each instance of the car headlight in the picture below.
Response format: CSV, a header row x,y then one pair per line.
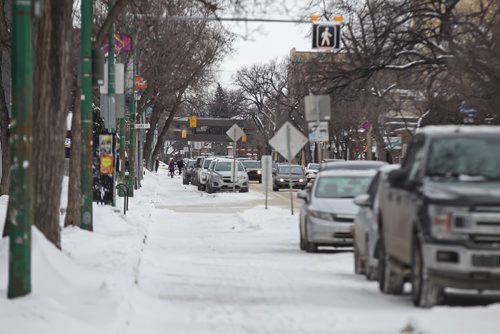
x,y
444,219
282,180
259,172
217,177
242,177
321,215
301,180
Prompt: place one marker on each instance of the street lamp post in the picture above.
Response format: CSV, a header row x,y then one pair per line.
x,y
86,116
20,213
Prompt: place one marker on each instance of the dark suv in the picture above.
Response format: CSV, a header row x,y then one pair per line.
x,y
439,219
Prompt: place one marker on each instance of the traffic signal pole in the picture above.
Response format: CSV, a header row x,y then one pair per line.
x,y
20,214
86,116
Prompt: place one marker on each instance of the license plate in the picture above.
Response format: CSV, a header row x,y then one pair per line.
x,y
486,260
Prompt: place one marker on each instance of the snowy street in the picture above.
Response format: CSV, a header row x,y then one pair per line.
x,y
182,261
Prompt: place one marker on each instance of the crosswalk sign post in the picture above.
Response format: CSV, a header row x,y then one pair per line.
x,y
326,35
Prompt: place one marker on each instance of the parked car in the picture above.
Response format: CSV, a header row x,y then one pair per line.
x,y
328,213
202,173
220,176
194,173
253,169
352,165
366,240
282,174
188,168
440,217
311,170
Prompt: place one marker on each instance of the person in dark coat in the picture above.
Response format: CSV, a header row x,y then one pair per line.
x,y
180,165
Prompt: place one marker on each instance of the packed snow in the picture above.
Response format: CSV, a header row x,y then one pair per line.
x,y
178,263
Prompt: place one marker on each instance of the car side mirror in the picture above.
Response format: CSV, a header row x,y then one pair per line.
x,y
363,200
303,195
397,178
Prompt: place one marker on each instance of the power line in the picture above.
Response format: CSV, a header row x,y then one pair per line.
x,y
222,19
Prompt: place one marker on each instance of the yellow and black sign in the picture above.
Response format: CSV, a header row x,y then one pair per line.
x,y
183,134
244,138
192,122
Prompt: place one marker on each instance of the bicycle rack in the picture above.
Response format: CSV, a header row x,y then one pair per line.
x,y
124,188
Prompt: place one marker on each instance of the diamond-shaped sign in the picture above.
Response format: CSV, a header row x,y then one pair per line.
x,y
288,141
235,132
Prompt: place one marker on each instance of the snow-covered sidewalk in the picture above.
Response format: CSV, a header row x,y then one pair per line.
x,y
214,272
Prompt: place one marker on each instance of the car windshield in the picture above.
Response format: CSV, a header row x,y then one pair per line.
x,y
352,166
206,163
251,164
190,163
225,166
314,166
474,157
342,186
297,170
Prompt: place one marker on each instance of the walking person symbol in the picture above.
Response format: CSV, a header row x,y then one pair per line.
x,y
325,37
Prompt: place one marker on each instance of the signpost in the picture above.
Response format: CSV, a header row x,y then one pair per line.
x,y
288,141
235,133
267,171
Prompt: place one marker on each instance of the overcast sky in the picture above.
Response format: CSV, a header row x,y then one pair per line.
x,y
266,41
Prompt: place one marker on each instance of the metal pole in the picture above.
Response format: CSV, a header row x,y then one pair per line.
x,y
86,117
20,214
234,166
289,166
111,94
132,142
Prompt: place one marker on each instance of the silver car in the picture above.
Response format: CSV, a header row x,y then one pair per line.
x,y
202,173
327,216
366,245
219,176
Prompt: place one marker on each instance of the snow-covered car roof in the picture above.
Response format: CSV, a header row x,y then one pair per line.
x,y
346,172
352,164
436,130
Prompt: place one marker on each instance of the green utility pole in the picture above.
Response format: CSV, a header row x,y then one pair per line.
x,y
20,214
111,90
131,153
86,116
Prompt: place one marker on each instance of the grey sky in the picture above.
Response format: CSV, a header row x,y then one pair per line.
x,y
266,41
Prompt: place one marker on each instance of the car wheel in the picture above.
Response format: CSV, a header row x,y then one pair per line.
x,y
275,188
260,180
245,190
358,263
390,282
425,293
302,242
208,188
309,247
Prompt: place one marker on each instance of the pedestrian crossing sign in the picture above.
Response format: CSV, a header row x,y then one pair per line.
x,y
326,35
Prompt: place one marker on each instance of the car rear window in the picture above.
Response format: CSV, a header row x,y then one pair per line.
x,y
342,186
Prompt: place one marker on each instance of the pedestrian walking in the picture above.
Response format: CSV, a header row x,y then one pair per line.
x,y
180,165
171,168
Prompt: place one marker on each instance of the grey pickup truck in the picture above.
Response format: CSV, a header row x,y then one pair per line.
x,y
439,219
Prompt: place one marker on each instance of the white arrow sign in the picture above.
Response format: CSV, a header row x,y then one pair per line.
x,y
288,141
235,132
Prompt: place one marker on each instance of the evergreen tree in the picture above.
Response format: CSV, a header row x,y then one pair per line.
x,y
219,107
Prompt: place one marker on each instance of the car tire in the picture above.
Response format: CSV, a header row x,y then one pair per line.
x,y
260,180
309,247
245,190
425,293
390,282
208,188
359,267
275,188
302,242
